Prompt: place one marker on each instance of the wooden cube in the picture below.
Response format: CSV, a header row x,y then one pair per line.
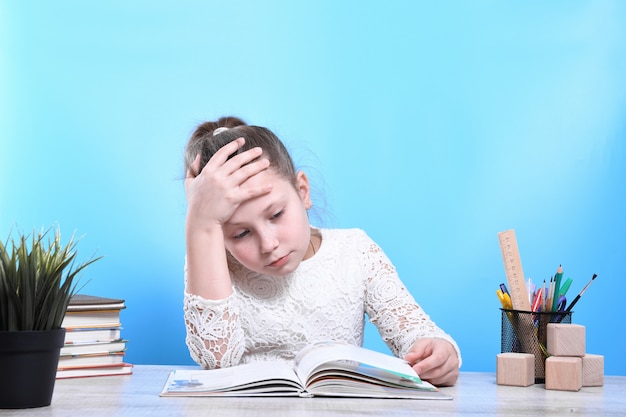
x,y
564,373
593,370
566,339
517,369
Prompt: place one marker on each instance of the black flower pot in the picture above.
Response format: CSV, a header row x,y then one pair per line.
x,y
29,361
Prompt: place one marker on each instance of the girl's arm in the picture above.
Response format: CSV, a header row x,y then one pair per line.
x,y
213,195
207,267
214,335
402,323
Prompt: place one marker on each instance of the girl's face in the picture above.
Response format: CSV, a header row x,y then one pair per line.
x,y
270,234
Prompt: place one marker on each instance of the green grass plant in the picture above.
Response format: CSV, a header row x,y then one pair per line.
x,y
38,277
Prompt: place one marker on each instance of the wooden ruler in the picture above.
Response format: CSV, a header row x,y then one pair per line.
x,y
513,270
522,323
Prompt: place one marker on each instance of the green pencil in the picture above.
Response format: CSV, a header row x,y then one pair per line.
x,y
565,287
557,287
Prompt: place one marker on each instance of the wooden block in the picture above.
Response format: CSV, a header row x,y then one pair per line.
x,y
593,370
564,373
517,369
566,339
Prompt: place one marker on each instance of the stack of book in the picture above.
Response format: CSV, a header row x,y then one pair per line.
x,y
93,342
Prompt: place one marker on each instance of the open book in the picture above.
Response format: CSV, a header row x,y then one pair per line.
x,y
322,369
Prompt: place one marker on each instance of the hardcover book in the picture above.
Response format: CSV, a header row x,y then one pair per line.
x,y
96,359
101,348
322,369
91,335
81,302
98,370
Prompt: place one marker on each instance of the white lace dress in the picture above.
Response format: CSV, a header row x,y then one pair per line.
x,y
326,298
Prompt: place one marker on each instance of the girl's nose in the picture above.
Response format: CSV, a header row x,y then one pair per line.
x,y
269,242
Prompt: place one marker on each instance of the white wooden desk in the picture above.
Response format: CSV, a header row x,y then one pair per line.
x,y
475,394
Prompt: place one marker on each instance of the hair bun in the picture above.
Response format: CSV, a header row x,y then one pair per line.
x,y
220,130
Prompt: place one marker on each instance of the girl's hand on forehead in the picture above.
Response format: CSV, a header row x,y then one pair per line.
x,y
216,192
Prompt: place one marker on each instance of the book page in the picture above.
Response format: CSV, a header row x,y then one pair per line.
x,y
355,388
338,363
259,378
315,355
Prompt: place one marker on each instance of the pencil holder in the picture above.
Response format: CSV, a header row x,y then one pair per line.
x,y
526,332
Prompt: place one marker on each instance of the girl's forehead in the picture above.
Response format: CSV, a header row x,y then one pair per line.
x,y
282,191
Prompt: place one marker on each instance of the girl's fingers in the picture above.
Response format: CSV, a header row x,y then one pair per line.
x,y
221,156
253,192
242,159
240,167
231,163
250,170
221,184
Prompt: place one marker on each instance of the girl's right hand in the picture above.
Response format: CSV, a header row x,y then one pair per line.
x,y
214,194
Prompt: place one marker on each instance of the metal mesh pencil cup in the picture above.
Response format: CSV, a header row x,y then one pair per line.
x,y
526,332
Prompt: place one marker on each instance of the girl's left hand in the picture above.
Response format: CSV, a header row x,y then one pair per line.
x,y
434,360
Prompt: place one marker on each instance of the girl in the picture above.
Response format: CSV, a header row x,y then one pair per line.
x,y
262,283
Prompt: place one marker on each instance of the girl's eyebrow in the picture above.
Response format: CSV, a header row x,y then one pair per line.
x,y
272,206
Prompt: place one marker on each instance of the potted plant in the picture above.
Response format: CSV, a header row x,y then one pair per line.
x,y
38,276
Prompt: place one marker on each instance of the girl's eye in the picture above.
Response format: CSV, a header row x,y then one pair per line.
x,y
277,215
241,235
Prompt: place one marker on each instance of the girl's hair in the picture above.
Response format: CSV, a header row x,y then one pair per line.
x,y
203,132
206,142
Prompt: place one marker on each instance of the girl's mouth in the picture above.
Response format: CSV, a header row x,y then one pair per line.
x,y
279,262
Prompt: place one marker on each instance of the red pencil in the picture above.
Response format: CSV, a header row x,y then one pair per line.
x,y
537,301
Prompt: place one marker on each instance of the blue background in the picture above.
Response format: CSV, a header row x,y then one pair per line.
x,y
431,126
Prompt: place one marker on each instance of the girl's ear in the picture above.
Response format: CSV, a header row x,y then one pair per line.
x,y
304,189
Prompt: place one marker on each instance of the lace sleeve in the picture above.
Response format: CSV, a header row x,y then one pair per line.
x,y
390,306
214,336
